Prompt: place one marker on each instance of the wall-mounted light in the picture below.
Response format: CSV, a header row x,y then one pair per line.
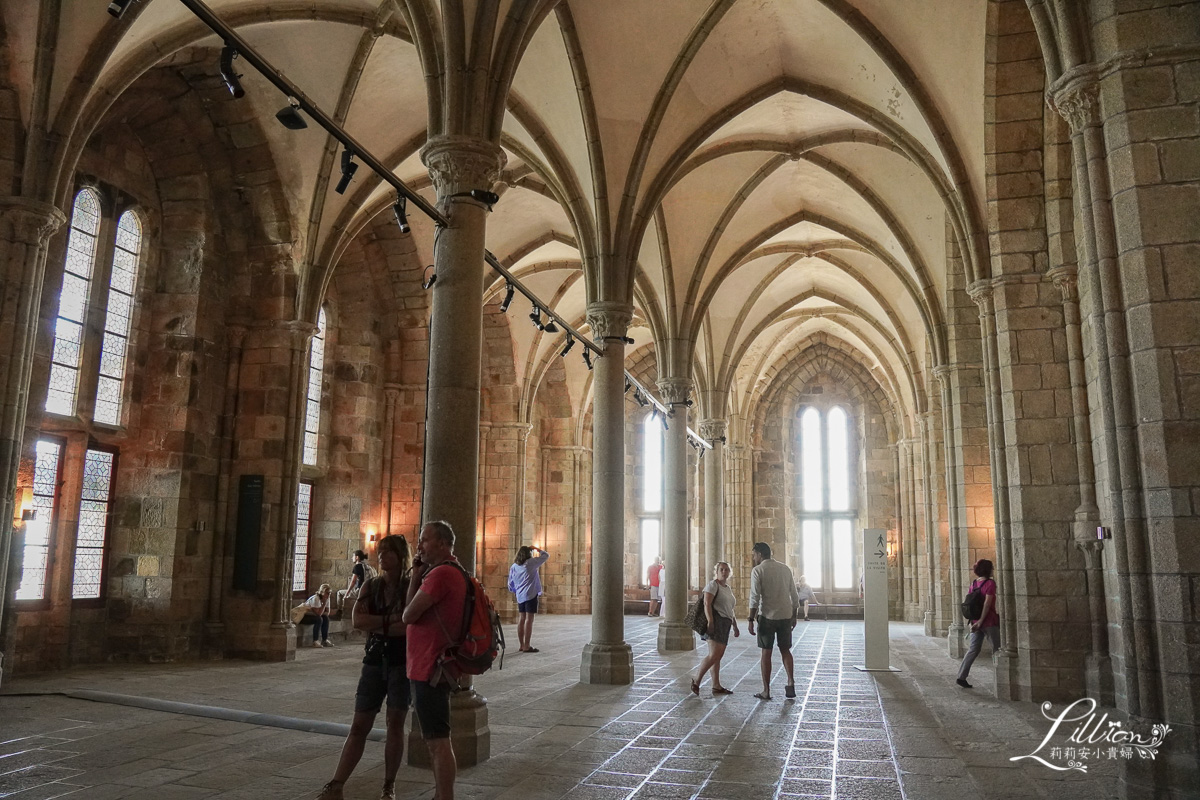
x,y
508,296
349,167
587,358
28,514
118,7
569,345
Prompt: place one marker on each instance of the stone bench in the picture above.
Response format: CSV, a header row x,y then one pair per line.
x,y
341,632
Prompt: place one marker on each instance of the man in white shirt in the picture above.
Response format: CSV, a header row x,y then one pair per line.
x,y
773,605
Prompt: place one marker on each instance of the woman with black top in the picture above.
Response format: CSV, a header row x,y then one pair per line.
x,y
377,612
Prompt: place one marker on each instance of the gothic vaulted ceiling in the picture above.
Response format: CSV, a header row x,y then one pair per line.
x,y
749,173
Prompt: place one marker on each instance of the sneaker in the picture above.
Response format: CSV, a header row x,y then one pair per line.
x,y
388,792
326,643
316,643
331,791
963,683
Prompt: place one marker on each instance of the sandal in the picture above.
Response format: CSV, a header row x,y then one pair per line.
x,y
695,688
762,696
789,691
530,650
721,690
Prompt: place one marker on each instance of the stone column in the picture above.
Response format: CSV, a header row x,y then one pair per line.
x,y
714,494
673,632
450,491
607,658
25,230
457,164
957,541
224,517
1099,676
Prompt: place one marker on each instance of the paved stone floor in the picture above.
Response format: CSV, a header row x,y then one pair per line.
x,y
849,734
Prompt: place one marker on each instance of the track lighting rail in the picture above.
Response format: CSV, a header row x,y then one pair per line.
x,y
277,78
235,44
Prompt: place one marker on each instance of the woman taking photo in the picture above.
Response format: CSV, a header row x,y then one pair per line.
x,y
525,582
377,612
718,610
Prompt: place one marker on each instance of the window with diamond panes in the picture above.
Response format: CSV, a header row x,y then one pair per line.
x,y
118,319
35,560
827,556
87,581
312,413
72,304
300,554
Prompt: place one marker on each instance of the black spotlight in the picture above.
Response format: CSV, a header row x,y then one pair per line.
x,y
570,344
536,316
508,296
118,7
628,386
587,357
489,199
289,116
349,167
228,54
640,399
550,326
400,212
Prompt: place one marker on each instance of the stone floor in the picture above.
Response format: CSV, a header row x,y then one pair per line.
x,y
910,734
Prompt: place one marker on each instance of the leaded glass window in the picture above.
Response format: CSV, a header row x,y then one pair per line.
x,y
312,415
72,304
118,320
93,524
650,523
826,547
35,560
303,524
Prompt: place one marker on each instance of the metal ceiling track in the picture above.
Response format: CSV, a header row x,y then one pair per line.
x,y
305,104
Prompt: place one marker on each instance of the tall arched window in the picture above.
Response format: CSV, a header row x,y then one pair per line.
x,y
72,304
110,386
827,553
650,524
312,415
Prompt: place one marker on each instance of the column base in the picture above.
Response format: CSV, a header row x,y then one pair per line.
x,y
1099,679
956,640
675,636
610,664
1007,681
930,630
470,736
1,669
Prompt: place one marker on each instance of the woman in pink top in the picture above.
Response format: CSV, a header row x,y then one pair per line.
x,y
988,624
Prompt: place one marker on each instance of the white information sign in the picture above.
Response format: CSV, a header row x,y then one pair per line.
x,y
875,600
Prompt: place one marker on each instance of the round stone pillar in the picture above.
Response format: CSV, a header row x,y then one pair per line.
x,y
714,495
450,491
607,658
457,164
673,632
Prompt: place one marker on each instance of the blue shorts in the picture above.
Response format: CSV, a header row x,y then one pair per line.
x,y
528,607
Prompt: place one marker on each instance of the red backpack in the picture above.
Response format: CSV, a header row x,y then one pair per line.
x,y
481,641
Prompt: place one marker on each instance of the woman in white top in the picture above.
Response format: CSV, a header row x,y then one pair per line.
x,y
318,616
806,595
718,609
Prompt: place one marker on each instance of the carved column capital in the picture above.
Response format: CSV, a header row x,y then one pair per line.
x,y
1078,102
675,391
1066,278
27,221
459,164
608,319
981,293
713,429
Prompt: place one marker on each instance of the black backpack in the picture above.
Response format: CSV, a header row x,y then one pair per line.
x,y
972,604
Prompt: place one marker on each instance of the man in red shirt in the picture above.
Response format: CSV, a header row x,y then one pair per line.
x,y
434,614
654,578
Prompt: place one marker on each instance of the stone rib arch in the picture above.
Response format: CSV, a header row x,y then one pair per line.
x,y
967,228
808,359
